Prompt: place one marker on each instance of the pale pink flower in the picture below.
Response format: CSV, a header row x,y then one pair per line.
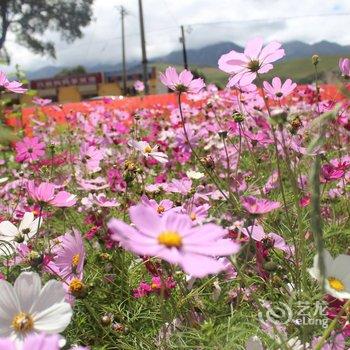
x,y
69,255
344,66
277,90
244,67
182,82
14,86
41,101
258,206
29,149
173,238
91,157
45,193
163,206
139,86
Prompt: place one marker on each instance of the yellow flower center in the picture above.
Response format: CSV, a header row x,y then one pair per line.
x,y
76,286
75,260
336,284
23,323
160,209
148,149
170,239
154,286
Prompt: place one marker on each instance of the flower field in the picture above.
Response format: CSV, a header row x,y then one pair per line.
x,y
216,220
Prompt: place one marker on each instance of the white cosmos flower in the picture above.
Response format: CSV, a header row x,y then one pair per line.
x,y
148,151
26,230
337,274
196,175
27,308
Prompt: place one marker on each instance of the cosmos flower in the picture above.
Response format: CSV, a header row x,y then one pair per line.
x,y
91,157
29,149
256,206
14,86
139,86
337,275
173,238
39,341
163,206
45,193
344,66
148,151
41,101
277,90
69,255
182,82
26,230
244,67
27,308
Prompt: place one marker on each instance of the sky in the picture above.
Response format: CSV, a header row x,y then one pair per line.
x,y
206,22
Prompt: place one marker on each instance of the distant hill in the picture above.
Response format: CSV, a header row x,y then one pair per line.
x,y
208,56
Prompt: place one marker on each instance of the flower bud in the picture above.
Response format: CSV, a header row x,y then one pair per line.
x,y
238,117
315,59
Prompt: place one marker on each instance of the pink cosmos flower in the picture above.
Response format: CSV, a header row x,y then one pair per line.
x,y
258,206
139,86
69,255
244,67
182,82
35,342
344,66
173,238
163,206
91,157
29,149
276,90
41,101
182,186
45,193
14,86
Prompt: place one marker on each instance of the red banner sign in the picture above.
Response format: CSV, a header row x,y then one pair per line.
x,y
85,79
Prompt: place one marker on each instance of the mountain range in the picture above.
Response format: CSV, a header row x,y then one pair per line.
x,y
208,56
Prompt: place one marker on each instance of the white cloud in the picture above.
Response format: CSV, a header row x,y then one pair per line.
x,y
239,20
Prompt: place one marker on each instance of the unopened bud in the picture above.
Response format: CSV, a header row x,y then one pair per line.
x,y
223,134
238,117
315,59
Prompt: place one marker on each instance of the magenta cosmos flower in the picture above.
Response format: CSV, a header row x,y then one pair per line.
x,y
244,67
277,90
14,86
258,206
29,149
182,82
45,193
344,66
173,238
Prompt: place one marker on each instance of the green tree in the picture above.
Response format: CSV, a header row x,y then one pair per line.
x,y
30,19
77,70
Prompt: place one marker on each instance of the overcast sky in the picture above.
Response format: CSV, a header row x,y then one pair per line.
x,y
231,20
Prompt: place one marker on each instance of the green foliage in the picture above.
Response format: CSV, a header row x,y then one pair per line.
x,y
27,18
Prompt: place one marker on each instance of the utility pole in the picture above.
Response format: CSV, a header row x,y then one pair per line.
x,y
143,46
122,14
184,52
